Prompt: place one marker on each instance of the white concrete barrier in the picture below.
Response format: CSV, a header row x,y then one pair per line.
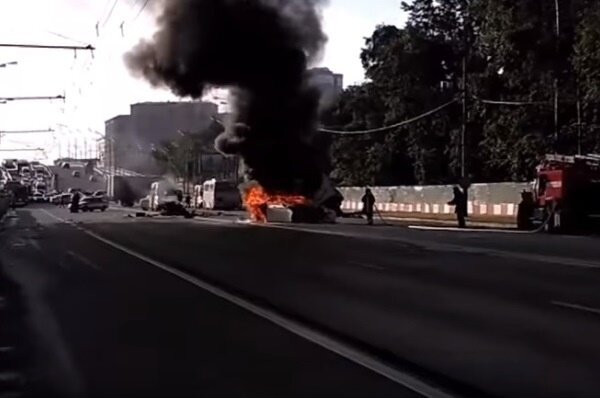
x,y
496,199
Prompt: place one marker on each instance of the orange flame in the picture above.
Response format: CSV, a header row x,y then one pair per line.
x,y
257,199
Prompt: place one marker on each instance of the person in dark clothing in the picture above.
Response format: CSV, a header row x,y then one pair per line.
x,y
13,201
75,202
460,206
525,211
368,201
188,201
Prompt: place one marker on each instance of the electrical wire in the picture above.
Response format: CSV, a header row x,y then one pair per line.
x,y
67,37
510,103
141,10
106,3
110,13
393,126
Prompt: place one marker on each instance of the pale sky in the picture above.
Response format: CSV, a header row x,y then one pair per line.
x,y
97,85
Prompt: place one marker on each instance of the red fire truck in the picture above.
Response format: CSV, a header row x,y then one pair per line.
x,y
567,192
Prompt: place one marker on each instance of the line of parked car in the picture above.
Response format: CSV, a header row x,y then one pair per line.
x,y
89,201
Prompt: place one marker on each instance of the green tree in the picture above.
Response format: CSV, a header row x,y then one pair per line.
x,y
586,62
512,56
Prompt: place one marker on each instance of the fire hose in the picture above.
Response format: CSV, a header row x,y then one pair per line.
x,y
545,223
539,229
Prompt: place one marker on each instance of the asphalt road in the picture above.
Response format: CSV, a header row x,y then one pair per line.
x,y
120,306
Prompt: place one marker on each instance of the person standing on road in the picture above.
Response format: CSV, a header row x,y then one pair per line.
x,y
13,200
75,202
368,201
460,206
188,201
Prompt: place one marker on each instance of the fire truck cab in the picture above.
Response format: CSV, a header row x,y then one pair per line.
x,y
567,192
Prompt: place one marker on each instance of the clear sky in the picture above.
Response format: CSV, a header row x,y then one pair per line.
x,y
97,85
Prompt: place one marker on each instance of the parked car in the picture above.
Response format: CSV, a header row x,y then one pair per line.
x,y
99,193
61,198
37,197
91,203
76,174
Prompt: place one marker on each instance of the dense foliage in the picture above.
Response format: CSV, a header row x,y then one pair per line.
x,y
512,55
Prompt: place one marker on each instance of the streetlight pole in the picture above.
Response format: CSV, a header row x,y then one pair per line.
x,y
88,47
35,98
2,133
5,64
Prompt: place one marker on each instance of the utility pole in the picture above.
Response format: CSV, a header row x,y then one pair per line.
x,y
464,89
579,137
465,110
556,73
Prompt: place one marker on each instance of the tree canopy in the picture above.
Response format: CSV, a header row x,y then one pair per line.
x,y
512,57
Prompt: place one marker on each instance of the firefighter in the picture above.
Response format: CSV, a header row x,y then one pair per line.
x,y
13,200
460,206
75,202
368,201
525,211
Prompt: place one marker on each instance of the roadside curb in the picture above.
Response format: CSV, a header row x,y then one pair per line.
x,y
432,222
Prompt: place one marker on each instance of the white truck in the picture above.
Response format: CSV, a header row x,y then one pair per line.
x,y
221,195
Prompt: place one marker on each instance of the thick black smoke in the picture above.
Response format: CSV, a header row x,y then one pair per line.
x,y
260,48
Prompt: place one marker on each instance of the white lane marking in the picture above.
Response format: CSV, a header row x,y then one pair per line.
x,y
83,260
577,307
456,229
215,220
448,247
344,350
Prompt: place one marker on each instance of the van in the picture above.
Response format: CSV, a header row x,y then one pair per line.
x,y
221,195
162,192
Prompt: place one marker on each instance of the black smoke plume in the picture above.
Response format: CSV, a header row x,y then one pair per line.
x,y
261,49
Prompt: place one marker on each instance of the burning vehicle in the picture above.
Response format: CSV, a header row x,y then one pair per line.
x,y
323,207
261,51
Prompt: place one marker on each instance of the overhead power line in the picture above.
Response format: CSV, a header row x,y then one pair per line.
x,y
66,37
510,103
141,9
110,13
393,126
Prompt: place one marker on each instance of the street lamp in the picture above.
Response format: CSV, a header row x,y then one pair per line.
x,y
5,64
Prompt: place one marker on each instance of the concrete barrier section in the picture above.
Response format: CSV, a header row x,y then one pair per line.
x,y
496,199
